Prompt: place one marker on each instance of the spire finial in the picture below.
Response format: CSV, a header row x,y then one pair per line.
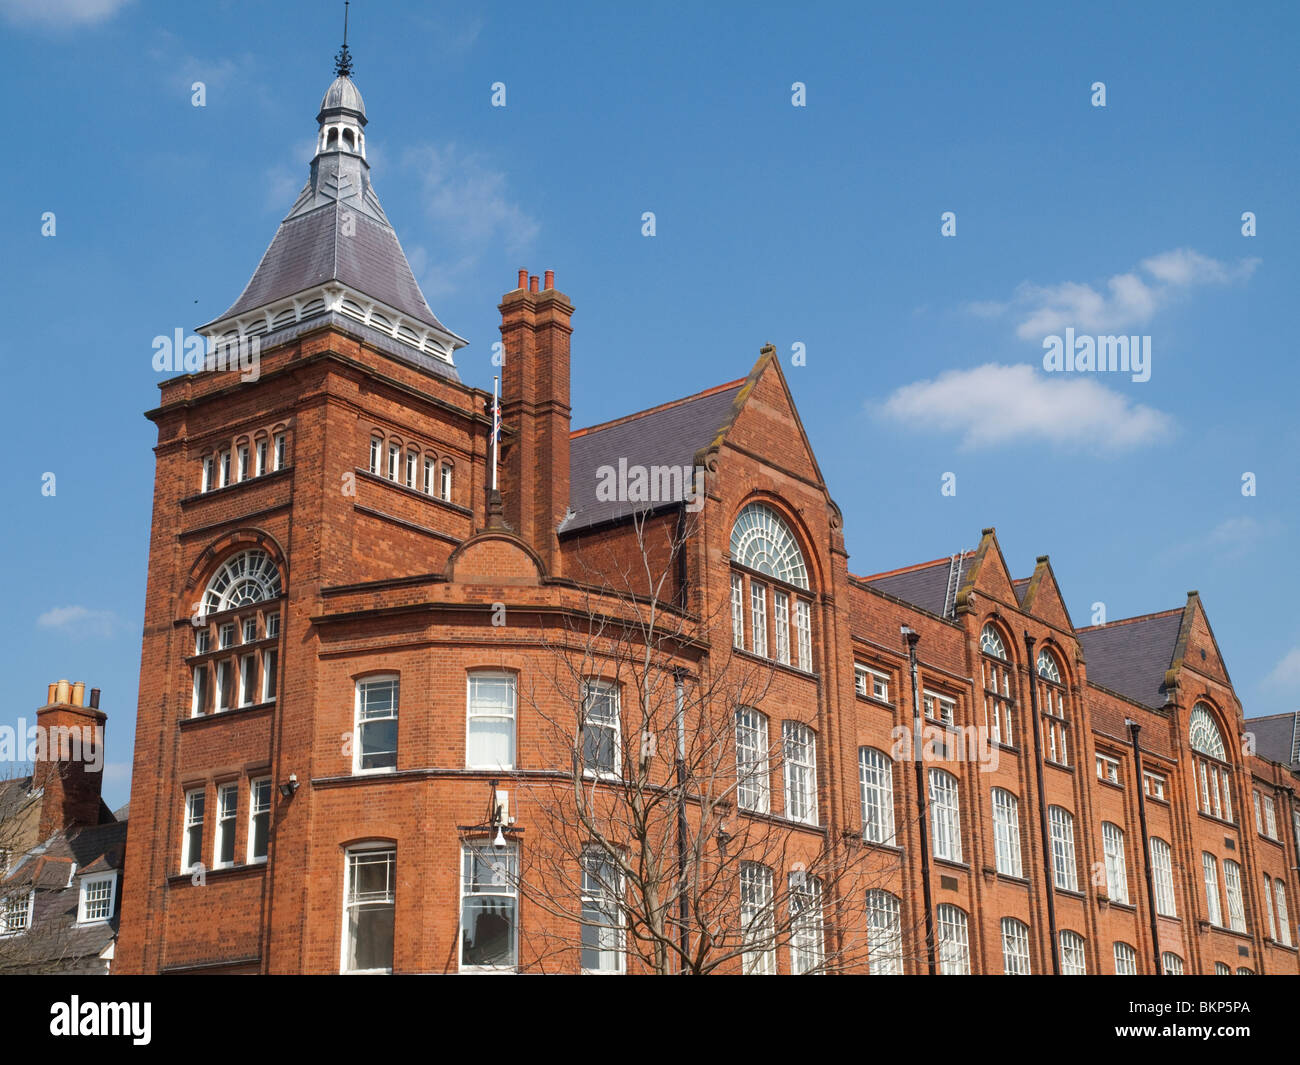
x,y
343,61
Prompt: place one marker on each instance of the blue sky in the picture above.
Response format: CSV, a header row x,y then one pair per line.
x,y
817,225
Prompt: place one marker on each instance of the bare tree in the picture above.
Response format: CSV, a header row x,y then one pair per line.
x,y
650,844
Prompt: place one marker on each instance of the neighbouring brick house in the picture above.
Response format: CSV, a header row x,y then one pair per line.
x,y
342,738
61,848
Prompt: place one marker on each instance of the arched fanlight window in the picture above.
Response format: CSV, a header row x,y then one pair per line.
x,y
1204,734
248,577
1047,667
991,643
761,540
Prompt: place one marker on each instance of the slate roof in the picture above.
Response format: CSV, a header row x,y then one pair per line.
x,y
924,585
1131,657
1275,737
667,435
1020,587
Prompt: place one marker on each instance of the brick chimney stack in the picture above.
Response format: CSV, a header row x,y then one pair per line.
x,y
535,330
69,767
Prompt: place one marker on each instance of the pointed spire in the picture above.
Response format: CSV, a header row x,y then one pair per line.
x,y
343,61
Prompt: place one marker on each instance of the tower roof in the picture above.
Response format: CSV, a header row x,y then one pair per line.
x,y
343,95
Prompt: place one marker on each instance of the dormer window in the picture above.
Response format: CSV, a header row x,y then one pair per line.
x,y
778,612
98,898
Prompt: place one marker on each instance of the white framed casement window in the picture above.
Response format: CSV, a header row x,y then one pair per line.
x,y
954,941
876,782
192,838
199,703
1162,874
225,674
737,610
1074,959
1006,832
1268,907
260,466
603,947
489,908
444,482
97,898
247,680
870,682
1244,971
1153,784
1283,917
1213,908
1112,845
412,467
223,468
223,846
753,776
279,454
601,742
490,720
375,736
226,635
16,917
757,920
758,617
945,815
249,630
241,462
394,462
377,454
884,934
430,471
781,626
803,633
270,662
1108,768
807,927
1015,947
1126,960
799,743
1236,900
1270,817
259,819
1171,964
272,625
1221,969
1065,869
369,908
939,707
1259,820
209,468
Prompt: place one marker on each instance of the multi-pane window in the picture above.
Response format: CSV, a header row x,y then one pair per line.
x,y
803,633
375,738
758,617
1236,900
1268,906
1108,768
1244,971
241,462
97,898
1153,784
1210,765
1220,969
781,625
753,790
1270,817
807,931
279,444
1056,742
996,675
412,466
270,660
1006,832
1162,873
884,934
259,818
1112,844
223,469
1015,947
1171,964
737,610
192,841
444,483
430,471
1283,917
223,851
489,907
945,815
209,469
601,749
490,721
939,707
954,941
241,670
1065,869
394,461
369,903
260,449
876,780
1126,961
757,921
1210,869
871,682
17,914
248,679
1074,960
800,747
602,917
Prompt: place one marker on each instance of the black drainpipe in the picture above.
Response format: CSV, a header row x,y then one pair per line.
x,y
1042,809
922,806
1134,728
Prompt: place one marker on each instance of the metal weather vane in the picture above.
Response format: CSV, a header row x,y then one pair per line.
x,y
343,61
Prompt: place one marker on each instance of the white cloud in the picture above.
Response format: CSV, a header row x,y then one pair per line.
x,y
1286,674
1124,300
60,13
994,404
79,620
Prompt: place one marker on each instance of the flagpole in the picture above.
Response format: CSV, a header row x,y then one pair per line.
x,y
496,429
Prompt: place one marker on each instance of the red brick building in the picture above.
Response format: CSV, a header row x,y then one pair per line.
x,y
370,684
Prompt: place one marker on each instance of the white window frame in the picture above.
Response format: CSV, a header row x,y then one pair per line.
x,y
412,466
358,746
90,882
190,823
601,897
758,617
737,610
1171,964
945,815
20,906
1283,915
1213,904
270,679
1162,877
1232,884
209,472
757,920
377,455
278,455
509,890
1015,947
781,625
227,820
608,693
884,933
1108,769
1116,864
1065,865
1153,785
876,790
260,454
1125,960
1074,954
753,772
444,482
803,633
242,455
256,808
1006,832
807,924
394,462
939,707
799,746
1270,817
489,712
430,469
953,940
248,680
388,899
